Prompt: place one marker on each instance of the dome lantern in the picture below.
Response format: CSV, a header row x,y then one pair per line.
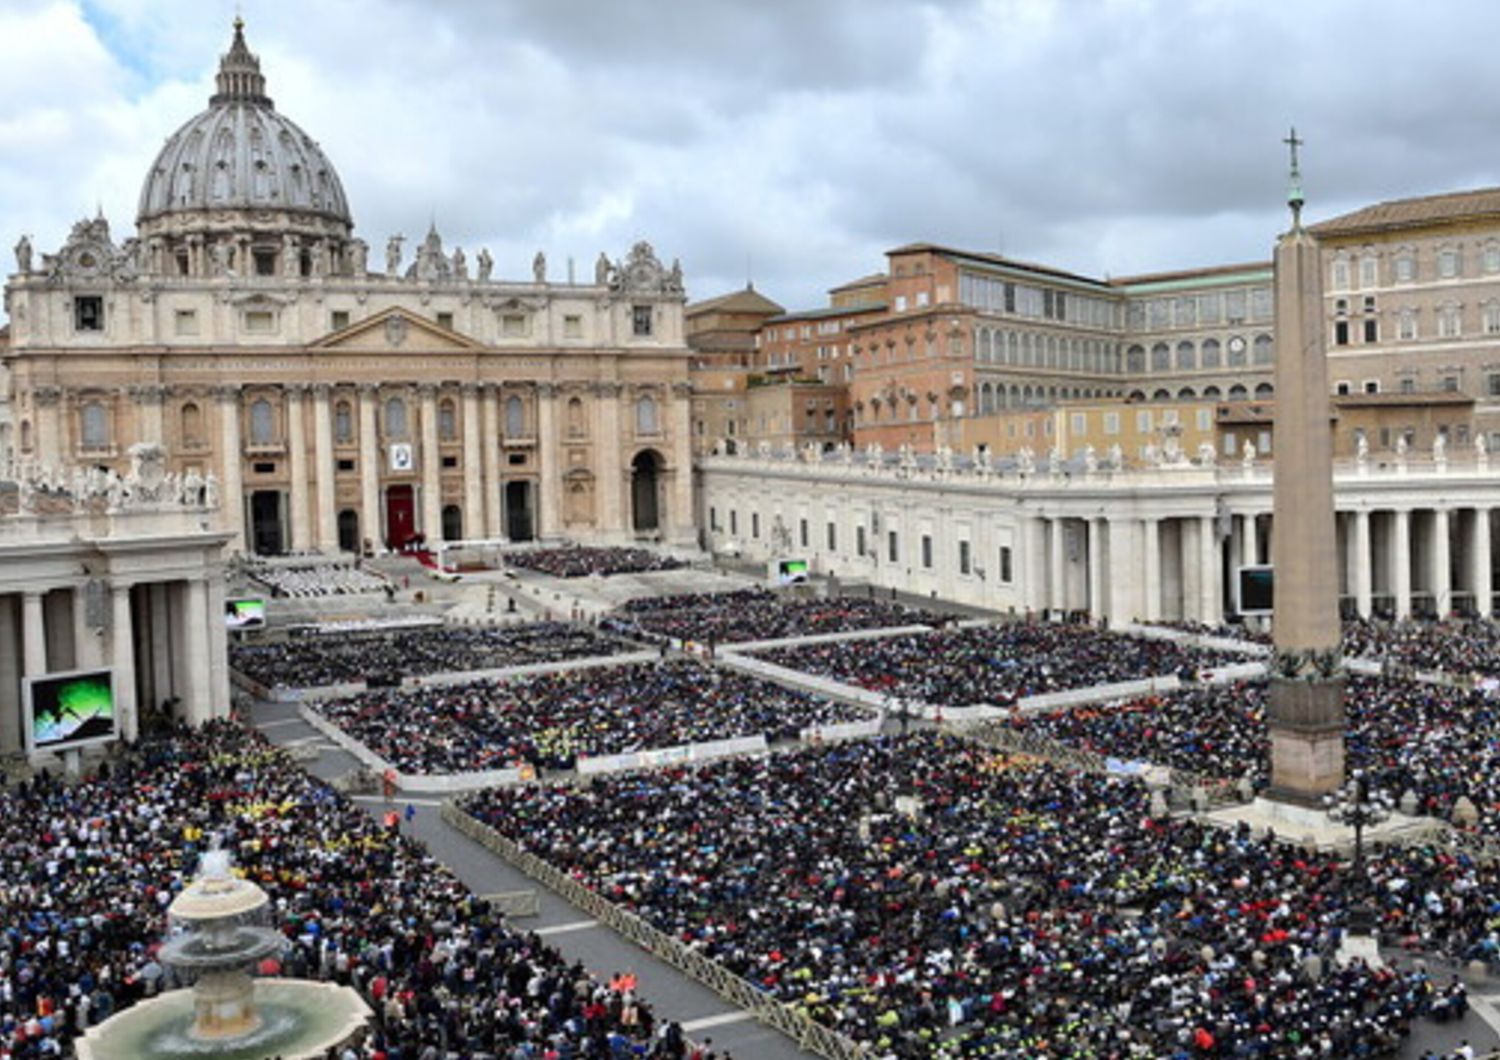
x,y
240,79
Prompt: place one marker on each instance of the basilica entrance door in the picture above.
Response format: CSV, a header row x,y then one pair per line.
x,y
518,520
400,516
265,522
644,475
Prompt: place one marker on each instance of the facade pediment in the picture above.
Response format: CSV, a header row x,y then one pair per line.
x,y
396,329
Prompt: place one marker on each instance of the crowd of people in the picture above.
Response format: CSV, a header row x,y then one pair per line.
x,y
317,661
580,561
1439,742
548,720
90,868
1029,911
1455,646
995,664
317,579
759,614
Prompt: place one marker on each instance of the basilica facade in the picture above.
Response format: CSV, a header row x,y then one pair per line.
x,y
339,403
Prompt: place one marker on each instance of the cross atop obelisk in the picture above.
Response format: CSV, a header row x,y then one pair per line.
x,y
1294,192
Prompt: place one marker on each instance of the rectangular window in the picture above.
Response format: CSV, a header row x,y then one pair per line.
x,y
1372,386
1450,384
927,551
1005,561
572,326
1492,383
1341,333
265,262
1341,388
1111,423
1078,423
1143,420
339,319
901,303
1205,419
802,532
1264,448
88,313
1372,330
892,547
755,525
640,321
1230,443
833,538
450,461
445,320
186,321
734,521
513,325
516,459
346,465
964,558
713,518
1408,385
859,541
260,321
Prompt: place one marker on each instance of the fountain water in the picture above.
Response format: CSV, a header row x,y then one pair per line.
x,y
219,936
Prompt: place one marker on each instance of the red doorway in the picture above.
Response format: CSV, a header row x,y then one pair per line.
x,y
400,516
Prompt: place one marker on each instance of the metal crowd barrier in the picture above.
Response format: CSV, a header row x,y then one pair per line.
x,y
801,1028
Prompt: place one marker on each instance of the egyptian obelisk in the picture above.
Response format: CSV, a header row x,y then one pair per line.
x,y
1306,714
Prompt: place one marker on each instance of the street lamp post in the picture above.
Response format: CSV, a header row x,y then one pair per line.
x,y
1358,807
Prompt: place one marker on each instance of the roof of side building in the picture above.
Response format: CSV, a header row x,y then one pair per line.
x,y
1413,213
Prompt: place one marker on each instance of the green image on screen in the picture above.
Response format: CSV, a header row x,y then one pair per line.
x,y
72,709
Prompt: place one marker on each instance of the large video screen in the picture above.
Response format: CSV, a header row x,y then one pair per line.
x,y
66,710
1257,590
245,613
791,571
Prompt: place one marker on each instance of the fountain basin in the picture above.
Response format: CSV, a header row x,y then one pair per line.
x,y
299,1020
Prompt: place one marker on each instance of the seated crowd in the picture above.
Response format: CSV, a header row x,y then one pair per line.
x,y
90,868
758,614
1439,742
1456,646
1030,912
578,561
335,660
548,720
995,664
317,579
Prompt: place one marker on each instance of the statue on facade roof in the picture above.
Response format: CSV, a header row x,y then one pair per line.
x,y
359,258
393,255
460,264
539,267
1025,460
602,269
1090,459
486,264
23,255
1207,456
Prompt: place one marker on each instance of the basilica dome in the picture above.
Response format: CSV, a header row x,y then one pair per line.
x,y
242,155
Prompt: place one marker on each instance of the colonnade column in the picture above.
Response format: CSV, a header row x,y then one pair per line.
x,y
432,468
323,468
1151,545
122,658
1249,540
10,678
1442,579
232,497
1123,588
473,487
1363,587
198,702
494,525
33,635
369,466
1400,559
1056,559
611,475
549,478
1096,531
1210,571
1480,576
296,441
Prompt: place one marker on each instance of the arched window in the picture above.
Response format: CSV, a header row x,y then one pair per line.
x,y
262,422
343,422
395,418
447,420
192,424
575,418
1448,263
1237,351
1212,355
1406,266
1135,359
515,416
94,426
1211,393
1340,277
1264,390
1369,271
1187,357
1238,393
1263,349
645,415
1161,394
1186,394
1161,358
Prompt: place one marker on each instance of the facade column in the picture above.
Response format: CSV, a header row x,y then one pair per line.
x,y
608,444
1032,560
1097,528
10,677
1249,540
1480,576
494,487
296,442
218,652
681,507
323,468
432,468
232,498
47,401
1056,584
122,658
549,477
197,701
1151,545
369,467
33,635
148,402
1363,565
473,464
88,647
1123,587
1442,579
1189,562
1401,561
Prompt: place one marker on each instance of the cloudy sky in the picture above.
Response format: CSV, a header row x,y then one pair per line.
x,y
790,140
